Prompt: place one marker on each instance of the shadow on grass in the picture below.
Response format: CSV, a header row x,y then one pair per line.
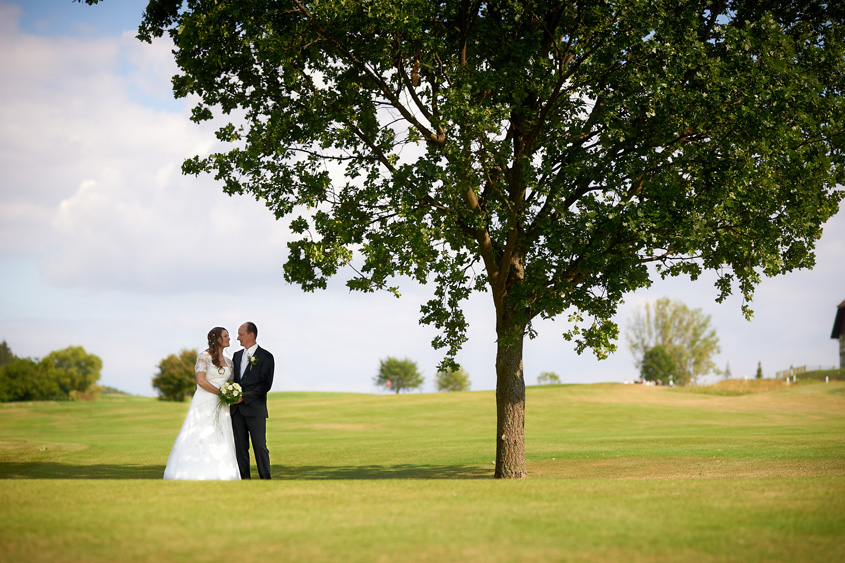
x,y
404,471
52,470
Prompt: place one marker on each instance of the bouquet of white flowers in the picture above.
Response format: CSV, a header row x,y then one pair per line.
x,y
230,393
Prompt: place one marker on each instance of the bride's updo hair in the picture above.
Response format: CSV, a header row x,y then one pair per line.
x,y
214,346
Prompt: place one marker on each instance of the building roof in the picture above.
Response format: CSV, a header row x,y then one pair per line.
x,y
839,321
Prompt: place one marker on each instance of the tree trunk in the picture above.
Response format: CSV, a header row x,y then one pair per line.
x,y
510,401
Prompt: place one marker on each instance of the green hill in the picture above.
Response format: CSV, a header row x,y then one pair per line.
x,y
616,472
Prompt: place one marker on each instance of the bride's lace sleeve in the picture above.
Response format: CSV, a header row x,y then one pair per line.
x,y
203,359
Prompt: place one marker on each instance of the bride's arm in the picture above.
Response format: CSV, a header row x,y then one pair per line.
x,y
203,361
205,384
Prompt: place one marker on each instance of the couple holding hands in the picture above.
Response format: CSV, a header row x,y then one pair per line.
x,y
213,443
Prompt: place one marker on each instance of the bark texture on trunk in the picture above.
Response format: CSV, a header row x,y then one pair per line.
x,y
510,404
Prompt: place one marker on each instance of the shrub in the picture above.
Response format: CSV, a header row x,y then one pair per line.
x,y
22,379
820,375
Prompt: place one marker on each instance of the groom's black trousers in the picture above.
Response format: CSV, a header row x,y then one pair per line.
x,y
245,427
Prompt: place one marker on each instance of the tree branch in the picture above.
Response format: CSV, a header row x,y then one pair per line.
x,y
378,81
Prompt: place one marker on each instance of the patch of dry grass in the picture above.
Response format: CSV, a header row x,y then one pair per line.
x,y
35,451
733,387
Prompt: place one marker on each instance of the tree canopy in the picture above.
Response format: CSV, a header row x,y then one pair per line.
x,y
547,152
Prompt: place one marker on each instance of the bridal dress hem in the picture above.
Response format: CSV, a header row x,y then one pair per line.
x,y
205,447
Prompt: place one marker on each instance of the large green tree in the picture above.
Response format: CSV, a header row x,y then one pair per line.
x,y
670,328
546,152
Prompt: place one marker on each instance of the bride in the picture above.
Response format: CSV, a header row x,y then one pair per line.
x,y
205,446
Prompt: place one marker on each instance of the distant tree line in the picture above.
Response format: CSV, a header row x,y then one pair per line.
x,y
68,374
176,380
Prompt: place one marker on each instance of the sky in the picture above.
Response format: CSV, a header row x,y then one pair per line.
x,y
105,244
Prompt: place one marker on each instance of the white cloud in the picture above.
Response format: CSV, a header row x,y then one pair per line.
x,y
93,172
160,232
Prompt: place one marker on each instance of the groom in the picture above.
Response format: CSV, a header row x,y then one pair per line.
x,y
254,371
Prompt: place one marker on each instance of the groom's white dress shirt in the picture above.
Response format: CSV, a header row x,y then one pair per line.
x,y
249,352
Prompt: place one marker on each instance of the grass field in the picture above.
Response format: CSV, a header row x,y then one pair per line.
x,y
616,472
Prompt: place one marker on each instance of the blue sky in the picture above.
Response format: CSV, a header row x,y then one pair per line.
x,y
73,19
104,244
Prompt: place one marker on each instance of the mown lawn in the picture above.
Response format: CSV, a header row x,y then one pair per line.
x,y
616,473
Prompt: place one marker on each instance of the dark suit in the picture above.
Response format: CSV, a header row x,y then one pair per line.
x,y
249,418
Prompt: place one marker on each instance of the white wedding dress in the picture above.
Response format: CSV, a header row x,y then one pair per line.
x,y
205,447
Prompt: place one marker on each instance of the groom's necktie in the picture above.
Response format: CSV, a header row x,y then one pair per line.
x,y
244,363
